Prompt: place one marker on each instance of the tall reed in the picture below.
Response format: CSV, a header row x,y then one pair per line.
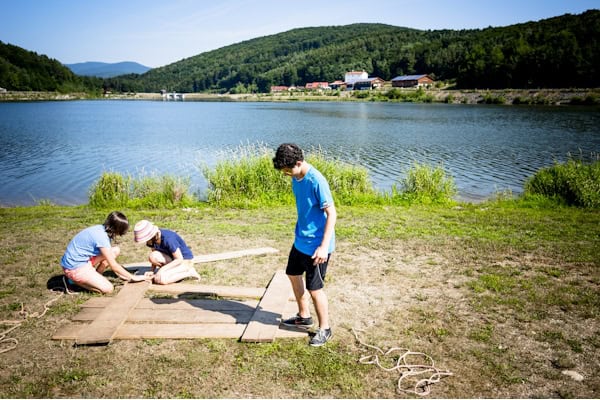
x,y
574,182
425,184
113,190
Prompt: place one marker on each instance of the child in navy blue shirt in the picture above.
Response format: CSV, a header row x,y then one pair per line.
x,y
171,258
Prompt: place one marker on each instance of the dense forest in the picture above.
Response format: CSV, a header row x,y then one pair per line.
x,y
557,52
25,70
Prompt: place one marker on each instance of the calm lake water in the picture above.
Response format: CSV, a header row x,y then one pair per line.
x,y
56,150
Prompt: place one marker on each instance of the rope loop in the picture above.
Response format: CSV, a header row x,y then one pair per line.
x,y
405,368
25,315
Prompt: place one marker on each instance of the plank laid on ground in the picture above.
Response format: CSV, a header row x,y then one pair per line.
x,y
103,328
176,316
160,331
265,322
234,254
208,290
180,304
217,256
180,331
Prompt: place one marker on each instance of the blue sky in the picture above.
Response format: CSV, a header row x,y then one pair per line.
x,y
160,32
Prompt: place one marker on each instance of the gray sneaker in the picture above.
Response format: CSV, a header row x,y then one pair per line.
x,y
321,337
298,322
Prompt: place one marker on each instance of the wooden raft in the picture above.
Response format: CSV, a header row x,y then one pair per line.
x,y
251,315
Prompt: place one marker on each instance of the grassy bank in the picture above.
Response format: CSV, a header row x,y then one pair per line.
x,y
571,96
504,294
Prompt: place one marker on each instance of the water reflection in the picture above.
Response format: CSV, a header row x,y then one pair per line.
x,y
56,150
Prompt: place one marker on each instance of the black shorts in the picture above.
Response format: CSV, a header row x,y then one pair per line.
x,y
299,263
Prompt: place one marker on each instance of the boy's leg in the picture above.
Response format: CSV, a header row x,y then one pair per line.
x,y
299,294
319,299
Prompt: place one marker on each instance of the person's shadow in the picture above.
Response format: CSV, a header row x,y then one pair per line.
x,y
60,283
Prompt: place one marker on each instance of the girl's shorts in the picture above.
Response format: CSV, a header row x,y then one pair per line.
x,y
86,275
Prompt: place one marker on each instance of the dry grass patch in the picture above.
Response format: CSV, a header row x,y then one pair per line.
x,y
506,319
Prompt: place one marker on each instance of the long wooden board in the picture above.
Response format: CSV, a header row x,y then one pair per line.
x,y
266,319
159,316
104,327
179,304
208,290
173,331
217,256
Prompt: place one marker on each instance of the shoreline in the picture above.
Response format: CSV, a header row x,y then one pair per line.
x,y
557,97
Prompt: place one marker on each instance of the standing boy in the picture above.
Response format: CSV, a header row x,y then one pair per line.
x,y
314,239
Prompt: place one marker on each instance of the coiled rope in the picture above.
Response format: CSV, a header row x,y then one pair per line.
x,y
406,369
13,342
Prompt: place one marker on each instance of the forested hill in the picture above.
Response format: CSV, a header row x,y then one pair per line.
x,y
25,70
557,52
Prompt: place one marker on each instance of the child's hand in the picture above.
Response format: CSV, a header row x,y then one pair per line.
x,y
138,278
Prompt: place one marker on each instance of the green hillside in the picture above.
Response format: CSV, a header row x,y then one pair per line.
x,y
553,53
25,70
559,52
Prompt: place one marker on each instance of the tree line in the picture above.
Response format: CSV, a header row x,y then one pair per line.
x,y
557,52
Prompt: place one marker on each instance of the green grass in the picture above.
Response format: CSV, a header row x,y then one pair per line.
x,y
245,178
573,183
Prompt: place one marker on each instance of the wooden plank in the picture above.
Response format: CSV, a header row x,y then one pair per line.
x,y
178,331
208,290
266,319
104,327
158,316
173,331
68,332
216,256
180,304
234,254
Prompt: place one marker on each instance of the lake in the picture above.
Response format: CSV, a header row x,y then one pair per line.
x,y
56,150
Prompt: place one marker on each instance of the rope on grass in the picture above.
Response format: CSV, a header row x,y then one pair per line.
x,y
406,369
17,323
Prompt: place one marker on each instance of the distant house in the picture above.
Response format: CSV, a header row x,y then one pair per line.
x,y
276,89
338,85
368,84
412,81
2,90
353,76
317,85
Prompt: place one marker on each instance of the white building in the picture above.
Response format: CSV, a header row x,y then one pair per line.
x,y
354,76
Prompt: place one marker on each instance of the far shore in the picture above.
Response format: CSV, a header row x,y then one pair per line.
x,y
589,96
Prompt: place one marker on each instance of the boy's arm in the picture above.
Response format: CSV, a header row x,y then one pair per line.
x,y
322,252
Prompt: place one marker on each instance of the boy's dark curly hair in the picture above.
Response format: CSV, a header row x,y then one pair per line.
x,y
116,224
287,155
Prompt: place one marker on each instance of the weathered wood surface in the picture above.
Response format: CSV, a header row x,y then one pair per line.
x,y
217,256
130,316
174,331
179,304
208,290
102,330
266,319
178,316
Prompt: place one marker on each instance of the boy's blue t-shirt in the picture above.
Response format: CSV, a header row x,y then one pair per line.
x,y
84,245
312,197
169,243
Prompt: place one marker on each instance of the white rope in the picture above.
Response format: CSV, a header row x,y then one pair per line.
x,y
4,340
406,369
